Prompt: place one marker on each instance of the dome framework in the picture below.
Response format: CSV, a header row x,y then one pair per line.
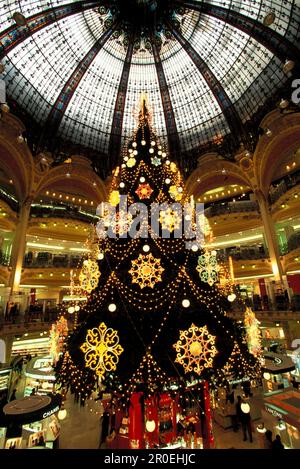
x,y
78,67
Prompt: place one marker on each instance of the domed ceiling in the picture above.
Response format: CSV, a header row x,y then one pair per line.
x,y
79,67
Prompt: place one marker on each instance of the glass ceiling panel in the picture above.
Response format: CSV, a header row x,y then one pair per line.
x,y
193,102
143,78
93,102
54,52
261,89
39,67
26,7
256,9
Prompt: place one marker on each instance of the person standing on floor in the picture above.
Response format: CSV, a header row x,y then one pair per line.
x,y
245,420
268,440
277,444
231,412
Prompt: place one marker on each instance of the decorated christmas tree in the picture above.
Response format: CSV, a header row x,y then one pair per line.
x,y
155,322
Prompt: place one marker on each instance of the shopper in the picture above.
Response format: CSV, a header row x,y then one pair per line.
x,y
41,441
277,444
268,440
231,412
245,420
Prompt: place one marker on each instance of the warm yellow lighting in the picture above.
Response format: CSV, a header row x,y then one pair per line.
x,y
267,376
237,241
17,278
150,426
186,303
275,269
45,246
62,414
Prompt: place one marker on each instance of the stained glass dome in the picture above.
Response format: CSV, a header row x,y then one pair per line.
x,y
79,67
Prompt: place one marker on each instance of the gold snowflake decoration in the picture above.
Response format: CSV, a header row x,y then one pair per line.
x,y
131,162
170,219
101,349
146,271
114,198
89,275
119,222
195,349
144,191
175,193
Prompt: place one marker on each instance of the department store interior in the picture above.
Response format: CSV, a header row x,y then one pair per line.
x,y
141,342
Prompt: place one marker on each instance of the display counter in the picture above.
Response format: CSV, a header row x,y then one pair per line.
x,y
284,407
30,422
39,376
277,370
5,372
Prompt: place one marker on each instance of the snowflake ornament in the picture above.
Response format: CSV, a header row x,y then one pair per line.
x,y
101,349
208,267
144,191
146,271
170,219
156,161
195,349
175,193
89,275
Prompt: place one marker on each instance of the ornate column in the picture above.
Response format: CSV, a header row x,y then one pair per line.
x,y
270,236
19,246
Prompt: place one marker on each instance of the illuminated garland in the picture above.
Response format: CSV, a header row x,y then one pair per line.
x,y
237,367
253,332
58,334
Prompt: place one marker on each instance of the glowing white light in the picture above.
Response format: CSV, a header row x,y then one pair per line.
x,y
245,407
62,414
231,297
150,426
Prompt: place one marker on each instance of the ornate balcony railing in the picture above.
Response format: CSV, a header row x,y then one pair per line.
x,y
223,208
62,211
11,201
287,183
47,259
4,259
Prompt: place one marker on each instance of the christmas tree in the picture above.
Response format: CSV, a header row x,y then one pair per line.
x,y
155,320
